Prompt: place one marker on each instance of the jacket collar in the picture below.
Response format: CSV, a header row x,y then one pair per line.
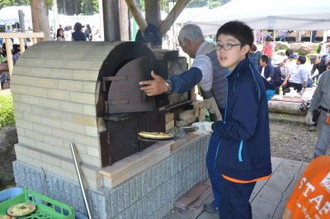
x,y
241,65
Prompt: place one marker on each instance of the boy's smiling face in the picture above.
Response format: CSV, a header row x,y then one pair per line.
x,y
231,57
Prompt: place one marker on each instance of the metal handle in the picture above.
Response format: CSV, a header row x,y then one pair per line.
x,y
82,187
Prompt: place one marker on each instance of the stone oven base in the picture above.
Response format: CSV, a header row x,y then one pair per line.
x,y
150,194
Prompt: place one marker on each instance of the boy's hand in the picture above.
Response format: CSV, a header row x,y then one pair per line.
x,y
154,87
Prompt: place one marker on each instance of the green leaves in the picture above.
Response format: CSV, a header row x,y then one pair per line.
x,y
5,3
89,7
164,4
6,111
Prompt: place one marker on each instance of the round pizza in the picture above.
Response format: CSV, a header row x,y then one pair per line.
x,y
21,209
155,135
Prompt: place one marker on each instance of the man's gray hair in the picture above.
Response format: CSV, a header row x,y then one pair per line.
x,y
190,32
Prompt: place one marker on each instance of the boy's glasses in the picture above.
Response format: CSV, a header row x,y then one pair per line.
x,y
226,46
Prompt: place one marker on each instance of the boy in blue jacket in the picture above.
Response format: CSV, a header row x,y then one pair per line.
x,y
241,142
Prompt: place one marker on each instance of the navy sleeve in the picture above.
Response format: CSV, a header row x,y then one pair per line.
x,y
186,81
271,71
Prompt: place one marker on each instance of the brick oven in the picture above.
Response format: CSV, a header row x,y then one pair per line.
x,y
87,93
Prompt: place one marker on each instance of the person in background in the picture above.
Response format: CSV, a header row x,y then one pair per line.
x,y
266,69
283,34
2,56
254,56
268,48
311,196
258,36
88,32
242,138
280,74
267,72
320,66
77,34
60,34
297,78
210,77
16,52
68,33
320,105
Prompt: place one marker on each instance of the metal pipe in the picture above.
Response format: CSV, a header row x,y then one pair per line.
x,y
82,187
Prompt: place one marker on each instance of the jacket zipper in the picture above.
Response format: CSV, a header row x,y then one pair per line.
x,y
224,121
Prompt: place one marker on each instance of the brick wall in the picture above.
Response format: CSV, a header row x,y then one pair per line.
x,y
54,88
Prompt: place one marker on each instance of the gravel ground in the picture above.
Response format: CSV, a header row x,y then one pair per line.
x,y
290,138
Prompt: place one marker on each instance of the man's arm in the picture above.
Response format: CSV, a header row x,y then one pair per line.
x,y
270,73
316,99
286,80
179,83
304,75
201,72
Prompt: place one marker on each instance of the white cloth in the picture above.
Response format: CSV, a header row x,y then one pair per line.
x,y
204,63
203,127
299,75
263,72
309,118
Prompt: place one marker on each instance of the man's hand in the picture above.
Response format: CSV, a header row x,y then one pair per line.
x,y
154,87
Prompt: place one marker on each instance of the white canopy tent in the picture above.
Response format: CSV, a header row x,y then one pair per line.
x,y
268,14
9,15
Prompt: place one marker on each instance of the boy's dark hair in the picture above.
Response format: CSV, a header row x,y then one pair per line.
x,y
78,26
239,30
302,59
289,52
253,47
264,58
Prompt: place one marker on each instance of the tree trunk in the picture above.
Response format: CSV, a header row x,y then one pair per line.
x,y
35,15
44,20
124,21
152,12
21,21
172,16
40,20
111,20
134,8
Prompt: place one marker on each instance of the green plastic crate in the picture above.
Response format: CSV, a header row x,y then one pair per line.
x,y
47,208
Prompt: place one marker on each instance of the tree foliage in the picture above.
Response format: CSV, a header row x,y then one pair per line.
x,y
89,7
192,4
6,111
5,3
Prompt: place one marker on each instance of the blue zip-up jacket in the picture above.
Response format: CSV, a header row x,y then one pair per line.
x,y
243,139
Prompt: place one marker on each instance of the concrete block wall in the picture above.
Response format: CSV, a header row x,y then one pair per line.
x,y
55,90
150,194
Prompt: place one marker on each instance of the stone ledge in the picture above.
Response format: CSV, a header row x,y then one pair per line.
x,y
123,170
130,166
